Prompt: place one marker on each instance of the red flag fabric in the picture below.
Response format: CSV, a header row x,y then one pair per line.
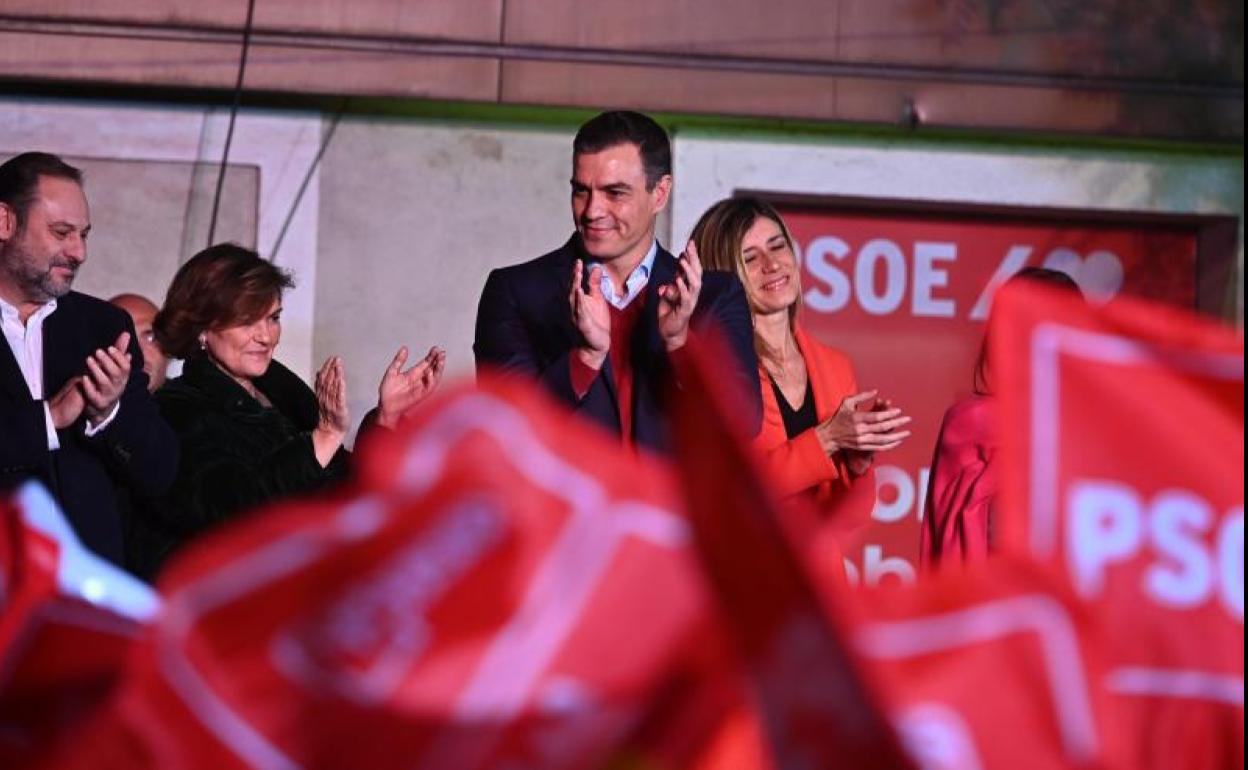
x,y
815,709
67,622
1122,448
505,587
997,665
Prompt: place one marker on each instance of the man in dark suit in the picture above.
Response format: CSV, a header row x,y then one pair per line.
x,y
603,321
74,408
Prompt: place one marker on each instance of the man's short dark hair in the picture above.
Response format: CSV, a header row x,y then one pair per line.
x,y
19,179
627,127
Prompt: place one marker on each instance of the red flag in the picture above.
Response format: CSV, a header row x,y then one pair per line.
x,y
67,621
505,587
1123,454
815,708
997,665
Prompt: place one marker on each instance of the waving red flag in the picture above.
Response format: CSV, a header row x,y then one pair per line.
x,y
815,708
504,587
997,665
1123,470
67,622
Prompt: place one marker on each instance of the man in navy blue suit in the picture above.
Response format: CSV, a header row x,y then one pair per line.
x,y
603,321
74,408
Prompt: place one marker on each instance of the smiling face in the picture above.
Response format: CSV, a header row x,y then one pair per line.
x,y
40,258
770,268
244,351
613,211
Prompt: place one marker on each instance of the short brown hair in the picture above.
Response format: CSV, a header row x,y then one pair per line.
x,y
222,286
720,231
20,175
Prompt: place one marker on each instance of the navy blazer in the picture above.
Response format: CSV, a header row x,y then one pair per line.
x,y
524,325
137,451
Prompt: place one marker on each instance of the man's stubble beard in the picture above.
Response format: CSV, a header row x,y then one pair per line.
x,y
36,286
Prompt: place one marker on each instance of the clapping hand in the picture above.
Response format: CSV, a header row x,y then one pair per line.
x,y
67,405
678,299
590,315
108,371
401,391
860,434
333,417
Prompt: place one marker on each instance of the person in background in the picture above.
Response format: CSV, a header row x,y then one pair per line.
x,y
962,486
75,412
142,312
140,515
250,430
602,322
819,433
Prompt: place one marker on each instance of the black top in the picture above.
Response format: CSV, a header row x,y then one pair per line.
x,y
799,420
237,454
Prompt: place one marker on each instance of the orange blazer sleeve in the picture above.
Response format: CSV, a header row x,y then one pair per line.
x,y
798,464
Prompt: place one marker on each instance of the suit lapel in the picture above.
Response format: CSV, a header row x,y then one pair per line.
x,y
664,272
59,342
11,380
561,286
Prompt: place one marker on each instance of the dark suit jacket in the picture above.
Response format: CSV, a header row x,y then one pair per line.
x,y
236,454
524,325
137,450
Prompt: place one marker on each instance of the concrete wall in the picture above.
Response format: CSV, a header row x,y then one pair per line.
x,y
137,210
412,218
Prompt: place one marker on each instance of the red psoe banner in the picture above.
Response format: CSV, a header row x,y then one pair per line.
x,y
1123,470
905,295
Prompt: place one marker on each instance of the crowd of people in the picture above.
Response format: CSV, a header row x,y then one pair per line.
x,y
142,464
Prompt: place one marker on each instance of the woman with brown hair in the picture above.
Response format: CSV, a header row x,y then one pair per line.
x,y
250,430
819,432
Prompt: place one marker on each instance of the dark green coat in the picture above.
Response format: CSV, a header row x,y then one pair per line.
x,y
236,454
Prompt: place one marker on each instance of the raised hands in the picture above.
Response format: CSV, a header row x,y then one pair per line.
x,y
678,299
98,390
591,315
333,417
861,433
401,391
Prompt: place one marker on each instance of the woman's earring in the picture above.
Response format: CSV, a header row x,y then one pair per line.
x,y
203,344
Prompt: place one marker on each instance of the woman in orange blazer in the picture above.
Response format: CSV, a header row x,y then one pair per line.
x,y
819,432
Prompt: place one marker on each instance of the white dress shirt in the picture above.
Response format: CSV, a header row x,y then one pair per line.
x,y
635,282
